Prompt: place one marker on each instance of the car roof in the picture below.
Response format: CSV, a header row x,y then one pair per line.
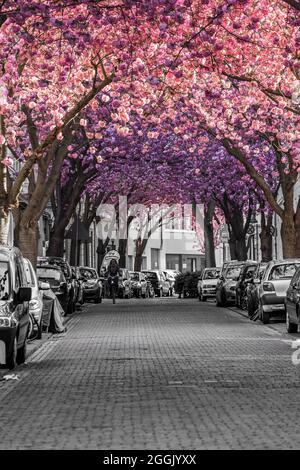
x,y
49,266
8,252
284,261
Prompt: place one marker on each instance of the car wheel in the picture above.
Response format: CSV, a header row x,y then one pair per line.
x,y
264,316
218,301
250,307
203,299
98,299
21,354
11,360
69,308
40,330
290,327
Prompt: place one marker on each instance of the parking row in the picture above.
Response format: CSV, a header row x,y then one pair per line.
x,y
266,290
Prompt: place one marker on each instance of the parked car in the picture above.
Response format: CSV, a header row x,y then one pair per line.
x,y
245,277
225,291
15,296
207,283
274,286
67,271
159,283
252,289
36,302
293,304
170,276
139,284
92,285
78,285
54,275
125,285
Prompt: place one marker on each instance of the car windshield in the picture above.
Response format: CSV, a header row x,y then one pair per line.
x,y
4,280
211,274
233,272
134,276
283,271
51,275
151,275
88,273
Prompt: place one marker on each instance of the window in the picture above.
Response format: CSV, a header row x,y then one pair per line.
x,y
51,275
4,280
88,273
233,272
211,274
28,274
283,271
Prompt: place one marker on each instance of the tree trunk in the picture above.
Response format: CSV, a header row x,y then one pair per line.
x,y
138,261
266,238
3,226
139,250
209,245
241,249
101,250
75,253
288,236
56,242
28,241
122,252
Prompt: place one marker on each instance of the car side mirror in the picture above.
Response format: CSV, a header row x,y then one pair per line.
x,y
24,294
44,286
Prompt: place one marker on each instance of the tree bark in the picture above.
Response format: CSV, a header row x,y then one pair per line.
x,y
209,245
122,252
28,241
56,242
140,248
265,235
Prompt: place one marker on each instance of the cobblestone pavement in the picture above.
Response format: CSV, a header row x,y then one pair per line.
x,y
155,374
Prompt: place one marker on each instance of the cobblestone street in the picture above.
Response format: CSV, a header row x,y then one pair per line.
x,y
156,374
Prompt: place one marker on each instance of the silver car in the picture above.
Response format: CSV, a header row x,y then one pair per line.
x,y
207,283
274,286
36,302
226,286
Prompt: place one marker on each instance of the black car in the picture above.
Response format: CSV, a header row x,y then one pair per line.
x,y
58,284
293,304
226,286
245,277
253,288
67,271
14,307
92,285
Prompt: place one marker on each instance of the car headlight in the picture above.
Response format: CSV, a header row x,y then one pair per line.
x,y
6,317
